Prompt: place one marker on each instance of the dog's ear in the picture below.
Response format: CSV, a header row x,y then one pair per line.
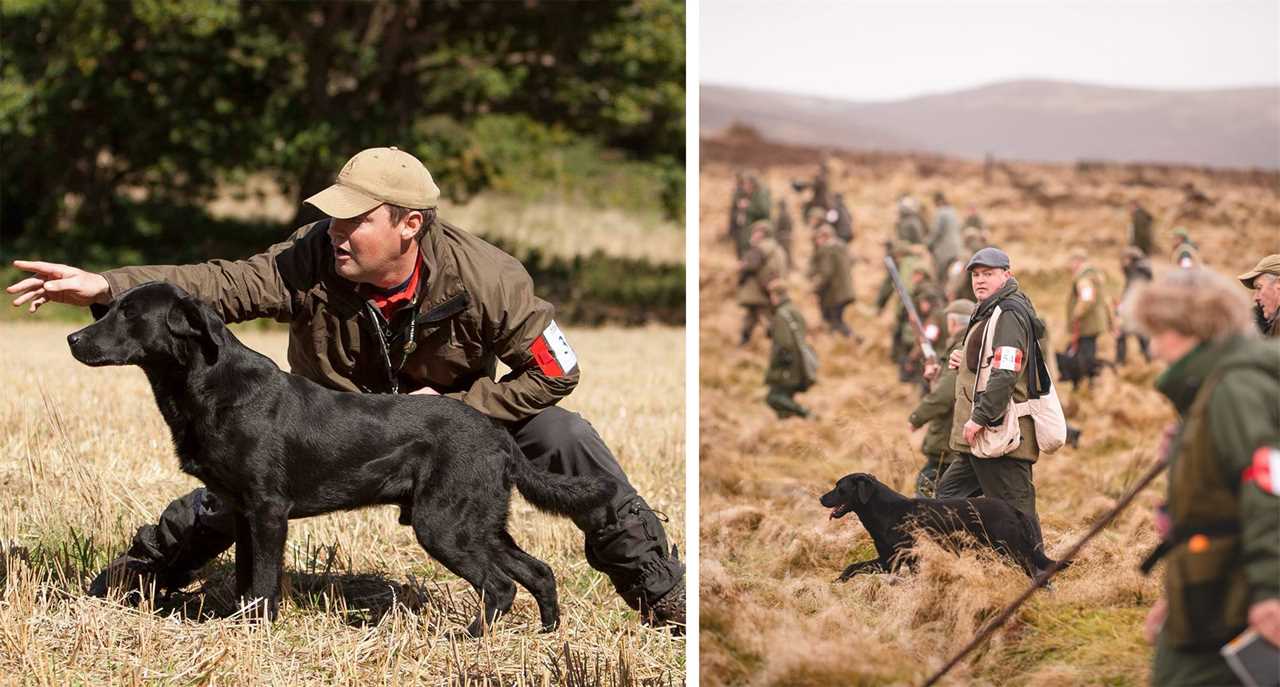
x,y
189,319
865,490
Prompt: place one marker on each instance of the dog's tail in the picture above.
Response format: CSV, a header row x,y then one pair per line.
x,y
559,494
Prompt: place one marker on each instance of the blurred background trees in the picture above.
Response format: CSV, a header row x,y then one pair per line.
x,y
120,122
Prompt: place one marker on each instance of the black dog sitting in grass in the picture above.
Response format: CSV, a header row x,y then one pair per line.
x,y
278,446
891,518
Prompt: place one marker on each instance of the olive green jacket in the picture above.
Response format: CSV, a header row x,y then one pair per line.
x,y
1092,317
761,264
911,228
475,307
832,274
787,332
1228,395
1015,331
938,405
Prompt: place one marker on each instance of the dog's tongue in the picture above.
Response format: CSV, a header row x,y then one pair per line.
x,y
833,513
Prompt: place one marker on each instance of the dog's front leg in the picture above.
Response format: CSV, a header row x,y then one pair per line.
x,y
244,556
269,527
871,566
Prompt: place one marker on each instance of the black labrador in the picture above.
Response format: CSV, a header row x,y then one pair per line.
x,y
278,446
891,518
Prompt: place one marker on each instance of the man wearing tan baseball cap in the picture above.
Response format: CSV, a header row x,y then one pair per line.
x,y
385,297
1264,281
376,176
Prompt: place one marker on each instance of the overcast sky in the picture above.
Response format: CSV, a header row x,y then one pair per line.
x,y
865,50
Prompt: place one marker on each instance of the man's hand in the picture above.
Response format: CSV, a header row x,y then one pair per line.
x,y
1155,619
954,360
971,430
426,390
59,284
1264,617
931,370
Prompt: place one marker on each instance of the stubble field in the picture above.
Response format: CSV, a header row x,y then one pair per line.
x,y
770,611
87,459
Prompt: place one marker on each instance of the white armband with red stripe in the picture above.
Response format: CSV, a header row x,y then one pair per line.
x,y
1265,470
1007,358
552,353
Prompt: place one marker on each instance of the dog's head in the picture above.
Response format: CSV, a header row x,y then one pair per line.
x,y
851,493
150,323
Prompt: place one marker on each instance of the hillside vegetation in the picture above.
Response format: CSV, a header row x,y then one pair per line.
x,y
771,613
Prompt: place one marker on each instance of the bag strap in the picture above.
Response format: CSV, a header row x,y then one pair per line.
x,y
989,326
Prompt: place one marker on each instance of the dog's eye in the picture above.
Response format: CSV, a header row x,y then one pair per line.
x,y
126,309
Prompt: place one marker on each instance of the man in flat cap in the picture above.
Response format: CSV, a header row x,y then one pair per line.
x,y
383,296
989,373
1264,281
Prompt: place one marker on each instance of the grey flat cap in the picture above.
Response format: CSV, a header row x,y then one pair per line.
x,y
988,257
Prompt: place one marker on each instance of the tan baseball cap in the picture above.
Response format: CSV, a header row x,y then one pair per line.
x,y
376,176
1267,265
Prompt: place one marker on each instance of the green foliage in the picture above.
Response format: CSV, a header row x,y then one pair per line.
x,y
112,113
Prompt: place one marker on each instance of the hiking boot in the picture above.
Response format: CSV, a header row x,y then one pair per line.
x,y
667,611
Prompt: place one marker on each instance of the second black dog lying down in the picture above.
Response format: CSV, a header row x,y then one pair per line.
x,y
278,446
890,517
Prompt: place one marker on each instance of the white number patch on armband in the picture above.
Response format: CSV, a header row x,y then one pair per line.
x,y
552,353
1007,358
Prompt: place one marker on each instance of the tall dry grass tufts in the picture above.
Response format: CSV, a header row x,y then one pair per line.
x,y
772,613
88,459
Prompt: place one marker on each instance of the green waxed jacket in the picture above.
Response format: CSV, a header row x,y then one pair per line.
x,y
1091,317
1018,328
761,264
938,405
1228,396
832,274
476,307
786,362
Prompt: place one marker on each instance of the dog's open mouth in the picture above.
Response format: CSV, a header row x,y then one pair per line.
x,y
840,511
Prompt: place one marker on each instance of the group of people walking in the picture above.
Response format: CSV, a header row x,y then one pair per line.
x,y
1220,525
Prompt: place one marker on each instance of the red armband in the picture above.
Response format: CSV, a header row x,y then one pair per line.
x,y
1264,470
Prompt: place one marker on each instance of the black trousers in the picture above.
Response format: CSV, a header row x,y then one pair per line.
x,y
751,315
834,317
1122,347
1007,479
625,539
1088,356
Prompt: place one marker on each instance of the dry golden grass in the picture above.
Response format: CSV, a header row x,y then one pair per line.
x,y
88,459
770,611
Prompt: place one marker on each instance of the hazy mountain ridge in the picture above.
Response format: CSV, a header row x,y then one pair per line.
x,y
1028,120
